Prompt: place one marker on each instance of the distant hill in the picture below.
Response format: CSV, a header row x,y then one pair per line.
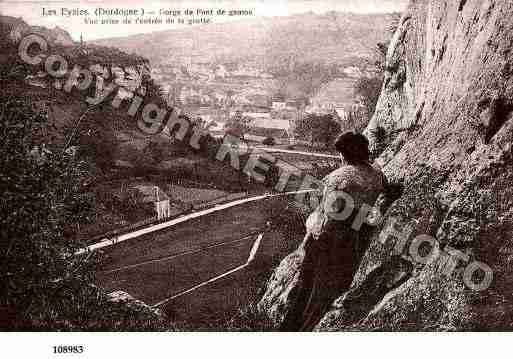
x,y
332,38
63,44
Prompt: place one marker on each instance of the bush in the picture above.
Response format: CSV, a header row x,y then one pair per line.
x,y
318,129
269,141
41,204
381,141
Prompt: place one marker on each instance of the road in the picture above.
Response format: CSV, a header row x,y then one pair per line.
x,y
279,150
244,147
157,227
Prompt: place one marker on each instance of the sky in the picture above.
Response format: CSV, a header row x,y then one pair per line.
x,y
32,12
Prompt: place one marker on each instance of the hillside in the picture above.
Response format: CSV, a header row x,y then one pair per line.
x,y
447,105
57,150
55,36
340,91
269,42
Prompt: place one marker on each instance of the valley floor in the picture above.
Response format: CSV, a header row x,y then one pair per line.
x,y
155,267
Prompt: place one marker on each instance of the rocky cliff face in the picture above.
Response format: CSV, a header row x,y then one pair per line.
x,y
55,36
447,102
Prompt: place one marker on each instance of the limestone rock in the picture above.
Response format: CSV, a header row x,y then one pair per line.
x,y
447,98
133,303
280,293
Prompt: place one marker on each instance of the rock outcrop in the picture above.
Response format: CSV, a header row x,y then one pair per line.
x,y
447,103
282,287
19,28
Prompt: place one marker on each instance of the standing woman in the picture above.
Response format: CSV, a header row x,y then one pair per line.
x,y
333,249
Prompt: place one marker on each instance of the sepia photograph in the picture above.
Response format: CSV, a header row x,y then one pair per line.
x,y
331,166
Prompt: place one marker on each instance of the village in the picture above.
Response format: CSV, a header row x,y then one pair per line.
x,y
246,100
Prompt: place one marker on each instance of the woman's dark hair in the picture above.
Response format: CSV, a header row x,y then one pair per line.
x,y
353,146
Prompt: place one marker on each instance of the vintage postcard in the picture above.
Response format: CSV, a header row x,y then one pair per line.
x,y
255,166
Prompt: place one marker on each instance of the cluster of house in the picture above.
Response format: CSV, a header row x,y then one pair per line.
x,y
275,119
192,86
340,111
194,96
262,115
208,72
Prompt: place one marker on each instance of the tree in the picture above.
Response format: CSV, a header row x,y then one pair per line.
x,y
12,68
318,128
43,203
269,141
238,124
368,89
154,93
96,141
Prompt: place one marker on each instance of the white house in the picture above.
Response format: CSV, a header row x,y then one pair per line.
x,y
257,115
279,105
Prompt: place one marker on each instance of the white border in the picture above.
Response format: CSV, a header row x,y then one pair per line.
x,y
259,345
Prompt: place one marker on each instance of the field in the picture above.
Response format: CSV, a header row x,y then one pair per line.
x,y
155,267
